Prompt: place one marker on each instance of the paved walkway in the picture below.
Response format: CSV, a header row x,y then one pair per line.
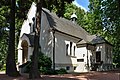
x,y
112,75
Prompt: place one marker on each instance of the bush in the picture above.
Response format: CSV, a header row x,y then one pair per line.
x,y
43,70
3,68
44,64
62,71
44,61
51,72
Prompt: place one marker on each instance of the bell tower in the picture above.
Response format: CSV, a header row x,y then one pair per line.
x,y
73,17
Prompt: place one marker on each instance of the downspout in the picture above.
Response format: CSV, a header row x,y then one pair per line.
x,y
87,59
53,49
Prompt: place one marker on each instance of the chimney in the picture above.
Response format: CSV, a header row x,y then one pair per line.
x,y
73,17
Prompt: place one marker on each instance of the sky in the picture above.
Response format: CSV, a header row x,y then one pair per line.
x,y
82,3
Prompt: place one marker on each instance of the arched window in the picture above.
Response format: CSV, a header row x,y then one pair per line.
x,y
67,46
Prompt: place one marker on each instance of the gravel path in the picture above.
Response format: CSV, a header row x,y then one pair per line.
x,y
111,75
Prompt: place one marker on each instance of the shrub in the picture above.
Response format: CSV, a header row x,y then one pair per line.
x,y
44,64
51,72
3,67
62,71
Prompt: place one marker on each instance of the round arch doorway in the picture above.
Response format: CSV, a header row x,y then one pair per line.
x,y
24,46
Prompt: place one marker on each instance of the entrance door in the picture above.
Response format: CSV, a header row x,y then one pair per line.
x,y
98,56
24,51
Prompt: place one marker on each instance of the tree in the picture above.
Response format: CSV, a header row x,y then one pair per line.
x,y
34,73
4,23
11,69
3,48
106,13
3,36
81,14
58,6
21,10
94,19
111,24
91,20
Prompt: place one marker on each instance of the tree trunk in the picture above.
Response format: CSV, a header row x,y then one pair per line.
x,y
11,69
34,72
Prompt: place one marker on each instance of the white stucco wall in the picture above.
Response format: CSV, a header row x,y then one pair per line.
x,y
46,42
103,48
31,13
61,40
106,56
20,56
46,37
26,27
82,53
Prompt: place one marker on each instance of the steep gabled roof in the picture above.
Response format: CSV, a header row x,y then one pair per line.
x,y
59,24
65,26
99,40
89,39
93,39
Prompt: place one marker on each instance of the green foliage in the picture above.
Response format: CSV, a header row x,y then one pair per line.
x,y
104,19
57,5
111,23
90,21
4,67
3,51
22,7
62,71
69,10
3,34
81,14
94,19
44,63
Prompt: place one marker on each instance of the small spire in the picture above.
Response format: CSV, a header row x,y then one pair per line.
x,y
73,17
